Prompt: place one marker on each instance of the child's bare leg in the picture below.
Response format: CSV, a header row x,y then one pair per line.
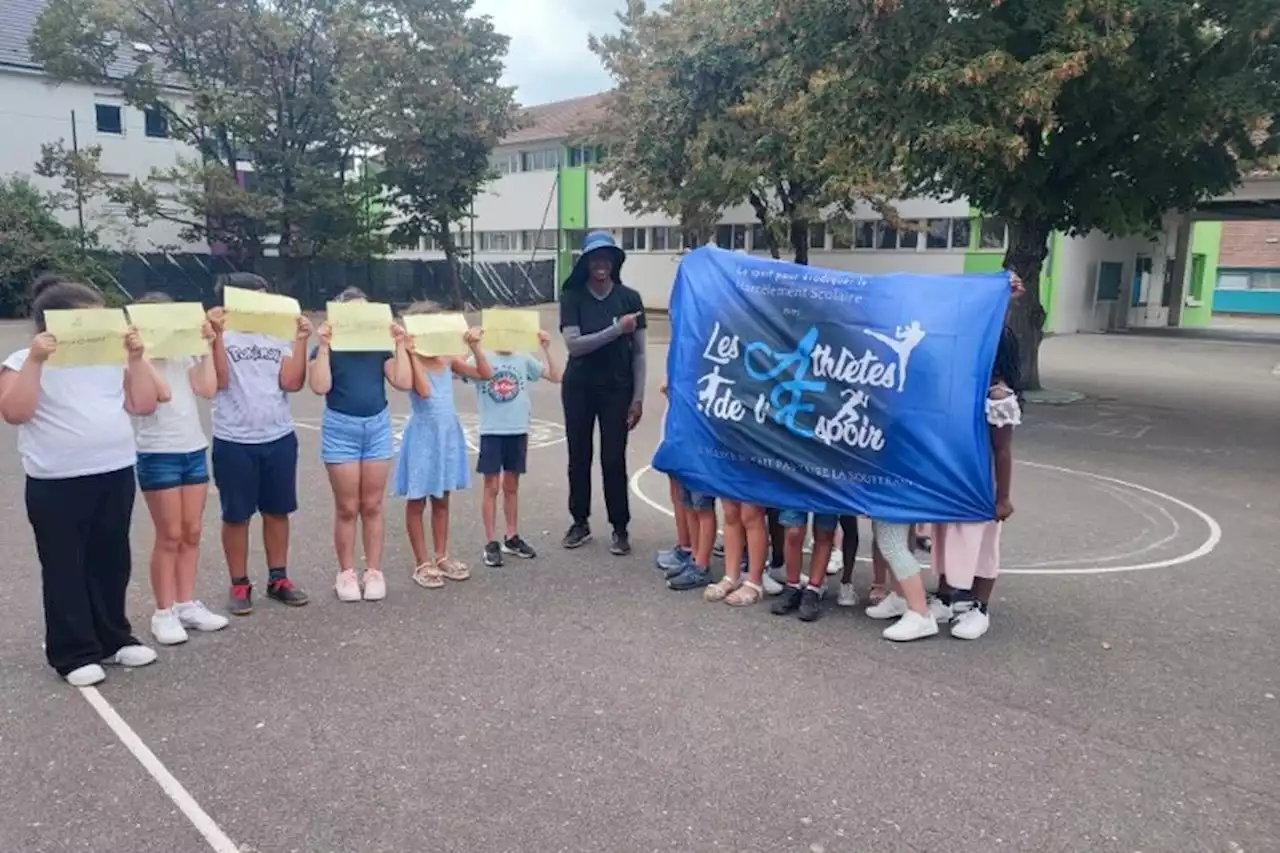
x,y
734,540
824,540
756,528
413,510
794,550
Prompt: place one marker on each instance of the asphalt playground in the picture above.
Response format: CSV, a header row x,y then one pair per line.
x,y
1125,699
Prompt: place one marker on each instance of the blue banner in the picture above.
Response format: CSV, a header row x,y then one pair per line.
x,y
809,389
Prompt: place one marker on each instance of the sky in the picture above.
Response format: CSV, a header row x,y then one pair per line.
x,y
548,59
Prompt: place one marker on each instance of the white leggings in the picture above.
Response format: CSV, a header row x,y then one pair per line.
x,y
893,540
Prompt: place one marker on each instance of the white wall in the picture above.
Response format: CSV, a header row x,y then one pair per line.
x,y
34,111
518,202
1076,308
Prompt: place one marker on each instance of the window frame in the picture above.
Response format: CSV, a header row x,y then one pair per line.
x,y
155,114
97,118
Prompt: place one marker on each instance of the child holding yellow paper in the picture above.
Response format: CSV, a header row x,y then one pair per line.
x,y
77,449
173,476
356,445
505,414
433,453
255,448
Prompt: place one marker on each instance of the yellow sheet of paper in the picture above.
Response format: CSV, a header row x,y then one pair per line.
x,y
87,336
437,334
511,330
263,313
360,326
170,329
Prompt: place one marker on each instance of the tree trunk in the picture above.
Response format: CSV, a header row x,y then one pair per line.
x,y
762,216
454,283
1028,248
800,240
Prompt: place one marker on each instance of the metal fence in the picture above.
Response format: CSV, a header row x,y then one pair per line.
x,y
191,278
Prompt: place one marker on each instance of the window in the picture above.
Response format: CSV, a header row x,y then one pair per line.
x,y
666,239
759,240
818,236
633,239
157,123
497,241
731,237
909,237
886,236
586,155
505,164
573,239
961,233
992,234
1110,275
864,234
938,234
1244,279
535,240
109,118
543,160
842,231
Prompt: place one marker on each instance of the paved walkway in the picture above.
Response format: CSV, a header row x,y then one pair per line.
x,y
1124,700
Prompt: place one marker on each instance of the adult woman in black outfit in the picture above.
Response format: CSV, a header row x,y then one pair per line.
x,y
603,325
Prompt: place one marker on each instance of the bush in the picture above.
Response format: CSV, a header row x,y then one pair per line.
x,y
32,242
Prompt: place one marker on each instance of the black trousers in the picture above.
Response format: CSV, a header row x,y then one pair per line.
x,y
585,405
81,526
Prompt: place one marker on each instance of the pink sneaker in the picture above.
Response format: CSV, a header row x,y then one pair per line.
x,y
347,586
375,585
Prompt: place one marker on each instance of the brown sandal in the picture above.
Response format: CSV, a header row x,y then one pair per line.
x,y
720,590
451,569
745,595
428,576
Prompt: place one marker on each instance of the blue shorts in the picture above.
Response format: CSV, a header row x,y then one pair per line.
x,y
347,438
253,478
792,518
502,453
158,471
697,500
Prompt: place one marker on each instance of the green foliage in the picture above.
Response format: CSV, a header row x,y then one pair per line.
x,y
1058,115
33,241
439,113
274,83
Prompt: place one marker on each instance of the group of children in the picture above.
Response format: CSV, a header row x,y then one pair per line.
x,y
86,433
965,557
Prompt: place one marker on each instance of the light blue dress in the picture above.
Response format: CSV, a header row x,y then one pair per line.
x,y
433,450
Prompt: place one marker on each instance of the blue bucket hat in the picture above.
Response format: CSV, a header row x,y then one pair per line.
x,y
596,241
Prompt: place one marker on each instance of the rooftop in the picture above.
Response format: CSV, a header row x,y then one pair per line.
x,y
16,25
560,119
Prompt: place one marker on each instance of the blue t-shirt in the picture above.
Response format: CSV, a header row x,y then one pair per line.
x,y
503,400
359,385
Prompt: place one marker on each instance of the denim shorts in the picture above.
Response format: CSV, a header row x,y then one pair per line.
x,y
697,500
793,518
254,478
347,438
158,471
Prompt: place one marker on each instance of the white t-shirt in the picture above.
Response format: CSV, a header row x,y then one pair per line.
x,y
252,409
175,426
80,426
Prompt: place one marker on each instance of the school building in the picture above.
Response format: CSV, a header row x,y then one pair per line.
x,y
546,198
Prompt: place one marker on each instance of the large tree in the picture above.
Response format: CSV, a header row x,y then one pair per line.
x,y
1055,115
271,85
441,110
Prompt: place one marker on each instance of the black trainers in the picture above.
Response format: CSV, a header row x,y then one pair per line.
x,y
285,592
620,546
517,547
493,555
788,602
810,605
579,534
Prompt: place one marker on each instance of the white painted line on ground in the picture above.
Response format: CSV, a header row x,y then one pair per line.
x,y
217,840
1205,547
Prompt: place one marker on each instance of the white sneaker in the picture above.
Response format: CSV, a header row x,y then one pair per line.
x,y
939,611
86,676
375,585
132,656
835,563
771,586
848,596
167,628
347,586
912,626
892,607
196,616
970,625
